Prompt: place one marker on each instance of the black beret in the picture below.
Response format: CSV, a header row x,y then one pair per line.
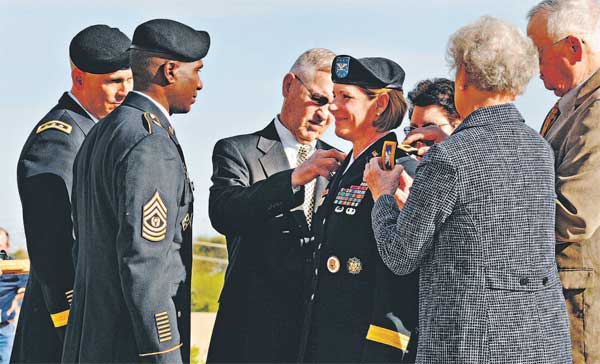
x,y
173,39
100,49
373,72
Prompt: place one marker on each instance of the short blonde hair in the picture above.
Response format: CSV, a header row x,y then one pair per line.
x,y
496,55
393,114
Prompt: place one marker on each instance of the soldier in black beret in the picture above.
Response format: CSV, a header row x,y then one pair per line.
x,y
101,80
132,210
357,310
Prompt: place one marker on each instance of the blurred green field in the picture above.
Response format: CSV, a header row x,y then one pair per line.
x,y
208,272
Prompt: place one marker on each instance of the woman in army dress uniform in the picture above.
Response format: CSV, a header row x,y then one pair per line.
x,y
357,310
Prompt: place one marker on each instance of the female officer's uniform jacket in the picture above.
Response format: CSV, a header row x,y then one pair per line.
x,y
357,310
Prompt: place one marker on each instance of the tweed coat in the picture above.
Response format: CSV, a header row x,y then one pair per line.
x,y
575,139
479,222
252,202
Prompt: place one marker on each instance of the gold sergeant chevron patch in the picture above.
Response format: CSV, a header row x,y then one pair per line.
x,y
55,124
154,219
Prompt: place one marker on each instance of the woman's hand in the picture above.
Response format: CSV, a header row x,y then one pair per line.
x,y
381,182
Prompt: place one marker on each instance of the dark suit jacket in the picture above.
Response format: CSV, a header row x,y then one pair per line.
x,y
44,177
251,202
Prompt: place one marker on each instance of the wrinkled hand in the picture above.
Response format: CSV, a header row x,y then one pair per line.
x,y
381,182
403,190
428,133
320,163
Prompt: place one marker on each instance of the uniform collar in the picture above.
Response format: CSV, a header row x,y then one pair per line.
x,y
82,107
156,103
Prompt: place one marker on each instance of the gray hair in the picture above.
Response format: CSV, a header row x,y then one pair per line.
x,y
496,55
311,61
571,17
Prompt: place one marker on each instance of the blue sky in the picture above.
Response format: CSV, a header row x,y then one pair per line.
x,y
254,42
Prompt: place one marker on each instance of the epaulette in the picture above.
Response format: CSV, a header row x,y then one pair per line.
x,y
149,119
55,124
408,149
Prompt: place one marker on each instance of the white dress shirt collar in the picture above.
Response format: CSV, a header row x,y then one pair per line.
x,y
162,108
290,144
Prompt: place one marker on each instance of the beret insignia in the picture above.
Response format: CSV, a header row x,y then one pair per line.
x,y
342,66
55,124
163,326
154,219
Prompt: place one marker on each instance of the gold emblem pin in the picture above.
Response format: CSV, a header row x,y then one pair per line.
x,y
55,124
154,219
354,265
333,264
185,223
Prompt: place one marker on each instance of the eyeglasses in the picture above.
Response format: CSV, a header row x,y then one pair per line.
x,y
542,50
318,99
408,129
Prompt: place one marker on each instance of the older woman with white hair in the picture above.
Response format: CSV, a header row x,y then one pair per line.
x,y
479,218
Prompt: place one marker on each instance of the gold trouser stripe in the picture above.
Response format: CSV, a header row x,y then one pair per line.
x,y
60,319
387,337
164,351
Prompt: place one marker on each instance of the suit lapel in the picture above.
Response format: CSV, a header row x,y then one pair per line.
x,y
274,159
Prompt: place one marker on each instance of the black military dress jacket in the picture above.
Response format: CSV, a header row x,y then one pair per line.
x,y
357,310
132,211
44,178
268,242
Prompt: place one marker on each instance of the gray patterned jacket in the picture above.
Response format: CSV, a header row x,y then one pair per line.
x,y
479,222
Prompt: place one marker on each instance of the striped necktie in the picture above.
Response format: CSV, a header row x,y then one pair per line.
x,y
553,114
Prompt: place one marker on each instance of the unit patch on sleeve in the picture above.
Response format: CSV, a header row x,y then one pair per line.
x,y
55,124
154,219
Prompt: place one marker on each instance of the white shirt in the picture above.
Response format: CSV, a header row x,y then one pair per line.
x,y
161,108
84,109
290,144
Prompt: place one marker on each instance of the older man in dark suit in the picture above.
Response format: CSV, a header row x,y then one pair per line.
x,y
264,194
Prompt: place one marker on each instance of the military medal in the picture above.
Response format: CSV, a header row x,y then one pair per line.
x,y
333,264
348,198
388,153
354,265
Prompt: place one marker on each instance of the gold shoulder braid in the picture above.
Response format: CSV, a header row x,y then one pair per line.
x,y
55,124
